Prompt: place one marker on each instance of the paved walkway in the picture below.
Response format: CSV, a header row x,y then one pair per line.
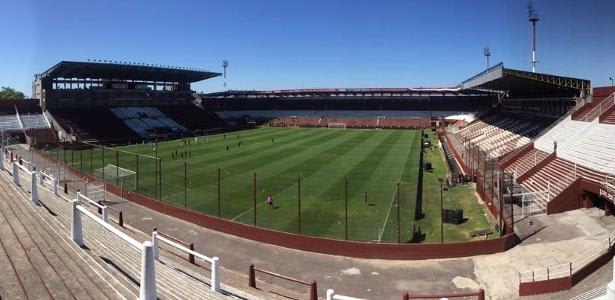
x,y
558,239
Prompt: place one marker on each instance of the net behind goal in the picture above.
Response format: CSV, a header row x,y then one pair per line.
x,y
124,177
336,125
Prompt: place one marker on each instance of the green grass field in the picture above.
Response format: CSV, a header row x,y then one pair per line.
x,y
372,161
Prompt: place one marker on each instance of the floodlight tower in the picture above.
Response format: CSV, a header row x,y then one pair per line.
x,y
224,66
533,17
487,53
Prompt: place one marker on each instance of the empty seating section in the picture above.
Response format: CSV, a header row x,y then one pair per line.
x,y
193,117
498,135
92,124
145,120
552,178
594,149
524,163
563,133
9,122
34,121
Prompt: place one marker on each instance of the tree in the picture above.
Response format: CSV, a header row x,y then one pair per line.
x,y
10,93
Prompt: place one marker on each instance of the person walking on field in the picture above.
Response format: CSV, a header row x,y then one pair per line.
x,y
270,201
365,198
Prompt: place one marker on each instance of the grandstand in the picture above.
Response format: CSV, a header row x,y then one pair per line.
x,y
357,108
129,102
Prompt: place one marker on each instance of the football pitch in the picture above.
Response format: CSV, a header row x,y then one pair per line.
x,y
316,160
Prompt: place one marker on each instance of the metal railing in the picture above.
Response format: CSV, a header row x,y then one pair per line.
x,y
102,208
214,261
569,268
598,110
313,292
148,276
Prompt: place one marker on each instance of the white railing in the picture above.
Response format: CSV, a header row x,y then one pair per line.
x,y
332,296
214,261
602,107
148,268
104,209
33,188
45,178
567,269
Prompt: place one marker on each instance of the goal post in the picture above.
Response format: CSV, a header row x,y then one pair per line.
x,y
113,173
336,125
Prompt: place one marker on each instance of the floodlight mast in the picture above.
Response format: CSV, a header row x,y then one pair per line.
x,y
487,53
533,17
225,66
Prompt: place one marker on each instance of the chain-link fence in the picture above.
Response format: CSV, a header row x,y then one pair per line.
x,y
303,202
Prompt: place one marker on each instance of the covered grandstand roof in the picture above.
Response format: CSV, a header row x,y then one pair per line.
x,y
346,92
100,70
523,83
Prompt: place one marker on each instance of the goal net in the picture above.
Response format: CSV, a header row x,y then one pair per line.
x,y
124,177
336,125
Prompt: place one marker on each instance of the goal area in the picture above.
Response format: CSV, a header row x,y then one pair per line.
x,y
113,173
336,125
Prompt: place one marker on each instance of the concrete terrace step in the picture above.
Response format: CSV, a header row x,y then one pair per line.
x,y
52,272
75,276
124,263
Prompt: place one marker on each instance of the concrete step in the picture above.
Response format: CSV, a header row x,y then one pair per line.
x,y
78,275
119,258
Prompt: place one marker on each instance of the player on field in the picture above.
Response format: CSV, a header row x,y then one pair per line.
x,y
365,198
270,201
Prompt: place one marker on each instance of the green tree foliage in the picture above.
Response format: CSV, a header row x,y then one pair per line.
x,y
10,93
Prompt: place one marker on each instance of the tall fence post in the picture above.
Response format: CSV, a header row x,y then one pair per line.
x,y
219,208
76,230
251,277
313,290
121,219
34,189
148,272
345,210
137,175
185,183
215,274
398,216
254,198
15,173
299,204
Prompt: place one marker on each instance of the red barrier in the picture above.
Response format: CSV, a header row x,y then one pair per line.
x,y
313,291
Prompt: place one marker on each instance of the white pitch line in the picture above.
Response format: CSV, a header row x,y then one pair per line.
x,y
251,208
393,198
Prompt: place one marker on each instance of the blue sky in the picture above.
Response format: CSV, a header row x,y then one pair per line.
x,y
309,44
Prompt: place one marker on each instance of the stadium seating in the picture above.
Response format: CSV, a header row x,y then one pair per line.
x,y
193,117
594,149
498,134
106,128
145,120
563,133
524,163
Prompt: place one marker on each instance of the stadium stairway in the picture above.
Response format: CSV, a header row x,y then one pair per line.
x,y
120,263
38,261
524,163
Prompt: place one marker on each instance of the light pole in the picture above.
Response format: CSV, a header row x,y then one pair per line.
x,y
611,79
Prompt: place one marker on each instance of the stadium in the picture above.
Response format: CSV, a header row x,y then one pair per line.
x,y
119,180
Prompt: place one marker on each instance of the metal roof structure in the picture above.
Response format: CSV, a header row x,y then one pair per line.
x,y
523,83
364,92
101,70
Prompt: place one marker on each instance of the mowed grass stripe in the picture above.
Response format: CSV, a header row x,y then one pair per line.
x,y
318,210
310,167
268,176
